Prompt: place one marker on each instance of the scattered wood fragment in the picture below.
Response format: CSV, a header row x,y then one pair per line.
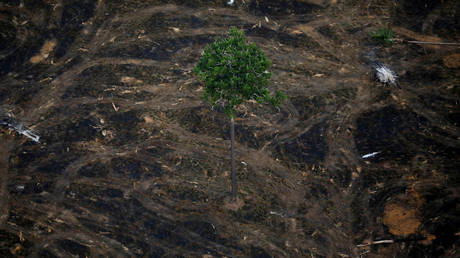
x,y
115,107
388,241
392,241
432,43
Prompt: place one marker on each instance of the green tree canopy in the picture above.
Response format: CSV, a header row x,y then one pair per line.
x,y
234,71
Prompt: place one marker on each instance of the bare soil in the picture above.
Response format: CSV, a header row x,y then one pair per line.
x,y
131,162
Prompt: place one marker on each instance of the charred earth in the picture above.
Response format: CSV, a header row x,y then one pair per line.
x,y
131,163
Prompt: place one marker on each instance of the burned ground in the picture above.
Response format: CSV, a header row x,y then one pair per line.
x,y
131,162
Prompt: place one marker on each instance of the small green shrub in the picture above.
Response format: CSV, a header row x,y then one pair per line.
x,y
383,35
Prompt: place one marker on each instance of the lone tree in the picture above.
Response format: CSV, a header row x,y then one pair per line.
x,y
234,71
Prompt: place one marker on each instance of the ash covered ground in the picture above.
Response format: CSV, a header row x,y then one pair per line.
x,y
131,163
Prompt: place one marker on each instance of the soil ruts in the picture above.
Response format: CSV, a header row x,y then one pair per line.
x,y
132,163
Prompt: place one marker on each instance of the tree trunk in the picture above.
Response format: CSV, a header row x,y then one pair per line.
x,y
232,157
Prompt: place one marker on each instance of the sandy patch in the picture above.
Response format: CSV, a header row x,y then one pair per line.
x,y
130,80
401,219
452,61
45,51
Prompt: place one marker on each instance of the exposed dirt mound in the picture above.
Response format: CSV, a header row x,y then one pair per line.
x,y
401,220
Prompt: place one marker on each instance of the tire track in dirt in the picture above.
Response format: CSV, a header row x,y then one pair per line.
x,y
297,71
60,84
98,153
51,96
